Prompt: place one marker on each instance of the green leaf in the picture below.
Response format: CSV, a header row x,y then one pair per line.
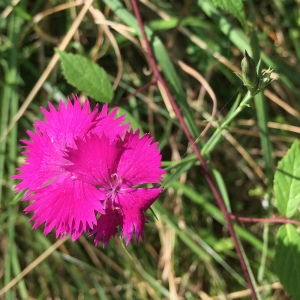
x,y
235,7
287,259
86,76
173,80
287,182
22,13
172,176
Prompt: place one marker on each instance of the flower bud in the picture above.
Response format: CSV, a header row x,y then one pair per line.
x,y
250,76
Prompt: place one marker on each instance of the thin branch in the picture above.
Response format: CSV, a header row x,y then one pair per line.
x,y
153,82
264,220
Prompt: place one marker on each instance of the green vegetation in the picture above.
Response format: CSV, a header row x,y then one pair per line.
x,y
188,252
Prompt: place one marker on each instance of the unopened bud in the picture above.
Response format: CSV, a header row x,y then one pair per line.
x,y
252,79
250,76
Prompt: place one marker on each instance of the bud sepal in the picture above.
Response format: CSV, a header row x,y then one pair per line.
x,y
251,76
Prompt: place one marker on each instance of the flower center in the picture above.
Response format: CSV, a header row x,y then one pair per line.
x,y
113,188
115,182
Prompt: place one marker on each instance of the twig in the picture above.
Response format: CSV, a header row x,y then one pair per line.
x,y
139,90
264,220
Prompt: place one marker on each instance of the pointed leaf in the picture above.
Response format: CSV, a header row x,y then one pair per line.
x,y
287,259
86,76
287,182
235,7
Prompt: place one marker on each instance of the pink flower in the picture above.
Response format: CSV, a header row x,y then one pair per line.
x,y
116,168
59,198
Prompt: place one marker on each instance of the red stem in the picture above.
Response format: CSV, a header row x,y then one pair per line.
x,y
154,81
264,220
158,77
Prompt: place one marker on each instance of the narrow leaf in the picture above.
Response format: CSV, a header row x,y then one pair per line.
x,y
86,76
235,7
287,259
287,182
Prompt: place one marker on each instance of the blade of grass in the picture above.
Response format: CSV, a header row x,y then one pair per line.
x,y
217,215
203,250
99,289
8,258
250,271
179,170
12,97
135,264
17,270
222,187
30,267
262,267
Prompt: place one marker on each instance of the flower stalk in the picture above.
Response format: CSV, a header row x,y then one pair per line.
x,y
255,83
208,176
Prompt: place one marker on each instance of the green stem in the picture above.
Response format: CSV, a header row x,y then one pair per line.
x,y
211,143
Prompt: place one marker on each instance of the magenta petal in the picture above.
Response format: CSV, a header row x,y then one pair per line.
x,y
79,165
134,204
107,225
68,204
45,160
42,164
67,122
141,161
95,159
109,125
